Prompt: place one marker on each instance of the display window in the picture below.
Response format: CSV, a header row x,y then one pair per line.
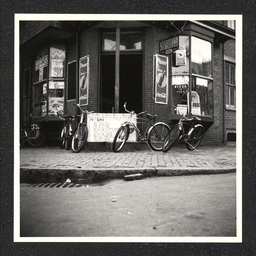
x,y
49,83
201,57
201,100
40,100
191,88
180,88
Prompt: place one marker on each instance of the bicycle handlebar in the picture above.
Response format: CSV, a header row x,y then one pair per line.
x,y
133,112
83,111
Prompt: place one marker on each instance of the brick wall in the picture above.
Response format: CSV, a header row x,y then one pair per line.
x,y
152,38
89,45
230,115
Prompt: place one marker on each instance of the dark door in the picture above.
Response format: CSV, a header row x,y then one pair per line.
x,y
130,82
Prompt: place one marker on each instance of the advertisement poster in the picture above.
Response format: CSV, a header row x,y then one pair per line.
x,y
102,127
161,79
83,80
57,68
57,55
56,97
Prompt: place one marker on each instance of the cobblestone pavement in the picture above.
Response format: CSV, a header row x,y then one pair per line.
x,y
178,160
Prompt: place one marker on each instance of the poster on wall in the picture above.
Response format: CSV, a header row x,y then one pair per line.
x,y
102,127
83,80
161,79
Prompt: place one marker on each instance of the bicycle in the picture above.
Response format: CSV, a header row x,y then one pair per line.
x,y
70,126
187,130
154,134
35,137
79,137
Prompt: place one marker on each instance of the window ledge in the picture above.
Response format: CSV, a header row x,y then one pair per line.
x,y
231,108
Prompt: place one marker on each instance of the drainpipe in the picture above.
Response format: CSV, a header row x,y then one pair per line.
x,y
77,67
117,68
223,95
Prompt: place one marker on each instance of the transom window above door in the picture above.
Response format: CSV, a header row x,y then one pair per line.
x,y
129,41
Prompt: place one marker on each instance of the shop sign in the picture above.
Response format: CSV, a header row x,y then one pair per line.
x,y
83,80
102,127
169,45
161,78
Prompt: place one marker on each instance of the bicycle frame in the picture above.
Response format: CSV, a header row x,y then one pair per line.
x,y
140,135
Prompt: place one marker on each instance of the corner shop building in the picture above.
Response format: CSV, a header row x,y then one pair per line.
x,y
151,65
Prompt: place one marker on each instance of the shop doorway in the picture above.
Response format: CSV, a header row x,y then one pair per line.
x,y
130,76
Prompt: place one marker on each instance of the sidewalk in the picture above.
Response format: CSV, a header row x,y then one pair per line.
x,y
52,164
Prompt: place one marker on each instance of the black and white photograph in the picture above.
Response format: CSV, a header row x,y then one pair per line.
x,y
128,128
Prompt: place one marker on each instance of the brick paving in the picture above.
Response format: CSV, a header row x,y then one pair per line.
x,y
42,164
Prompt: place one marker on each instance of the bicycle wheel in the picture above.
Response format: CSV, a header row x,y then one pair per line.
x,y
157,135
63,137
195,138
36,138
171,139
23,136
121,137
79,138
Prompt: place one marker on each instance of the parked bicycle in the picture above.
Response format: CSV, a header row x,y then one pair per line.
x,y
154,134
69,128
187,130
79,138
35,136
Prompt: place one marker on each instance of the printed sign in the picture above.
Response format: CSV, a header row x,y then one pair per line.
x,y
102,127
180,58
169,45
182,109
161,79
195,103
83,80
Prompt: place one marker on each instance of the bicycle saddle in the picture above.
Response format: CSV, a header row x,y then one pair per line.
x,y
150,116
192,118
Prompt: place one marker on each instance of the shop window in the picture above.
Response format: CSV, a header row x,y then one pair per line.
x,y
72,80
128,41
40,100
201,97
230,85
201,57
48,88
180,85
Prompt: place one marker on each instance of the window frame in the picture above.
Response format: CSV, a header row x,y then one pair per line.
x,y
67,84
122,33
228,84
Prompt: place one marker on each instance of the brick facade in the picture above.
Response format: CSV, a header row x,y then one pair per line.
x,y
90,44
